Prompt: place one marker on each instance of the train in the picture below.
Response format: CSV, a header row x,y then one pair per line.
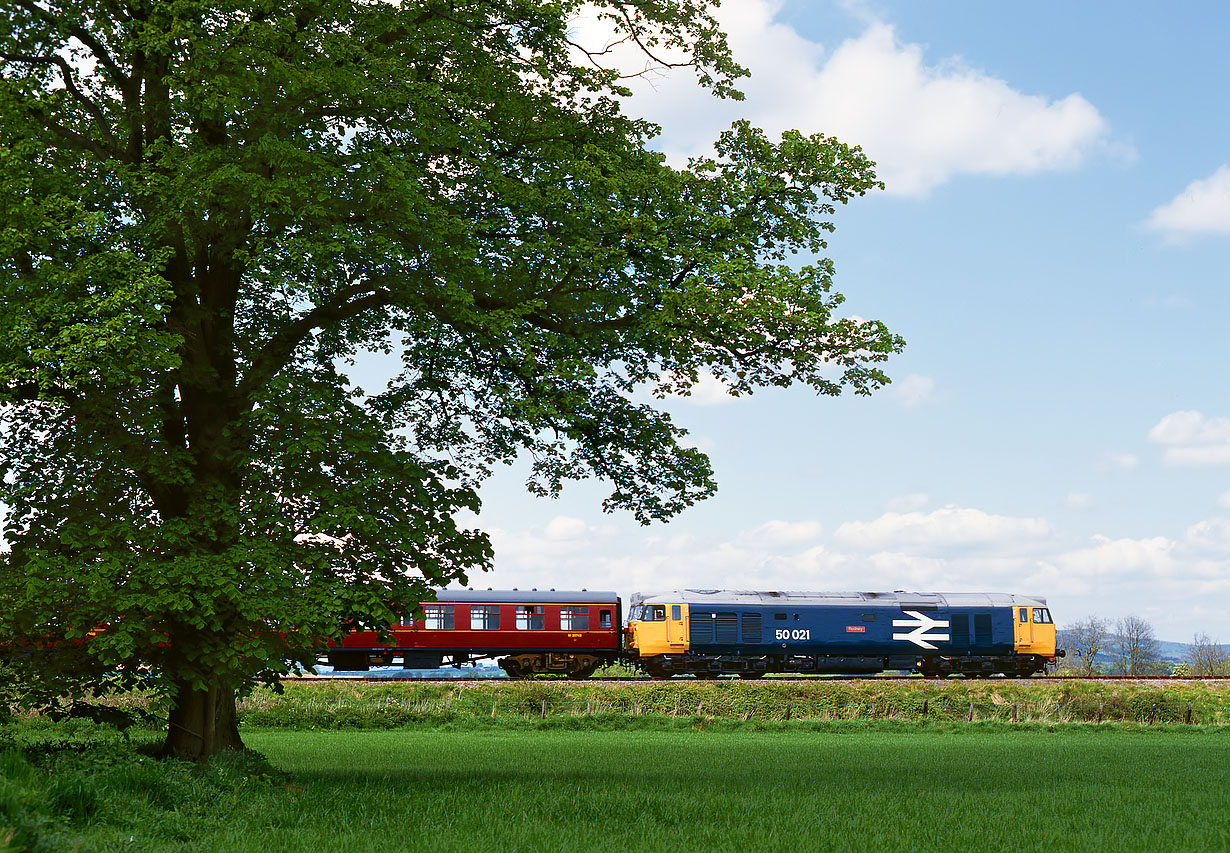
x,y
707,633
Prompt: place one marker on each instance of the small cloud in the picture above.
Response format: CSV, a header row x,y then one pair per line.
x,y
1117,462
1213,534
1193,440
776,533
908,503
563,529
913,391
1223,500
1202,208
1079,500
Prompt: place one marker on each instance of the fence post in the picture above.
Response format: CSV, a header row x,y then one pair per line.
x,y
751,711
1189,713
1014,712
494,705
1100,706
1152,714
788,709
544,709
971,712
588,707
699,705
925,703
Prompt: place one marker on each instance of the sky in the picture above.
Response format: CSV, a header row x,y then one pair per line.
x,y
1053,245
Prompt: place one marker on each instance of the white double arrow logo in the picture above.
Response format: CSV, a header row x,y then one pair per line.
x,y
922,625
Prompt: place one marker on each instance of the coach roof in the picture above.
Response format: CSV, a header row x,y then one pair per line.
x,y
504,596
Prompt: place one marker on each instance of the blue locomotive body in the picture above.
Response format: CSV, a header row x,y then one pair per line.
x,y
750,633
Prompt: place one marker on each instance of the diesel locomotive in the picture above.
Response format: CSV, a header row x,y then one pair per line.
x,y
708,633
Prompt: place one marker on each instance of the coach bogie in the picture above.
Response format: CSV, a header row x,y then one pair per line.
x,y
550,663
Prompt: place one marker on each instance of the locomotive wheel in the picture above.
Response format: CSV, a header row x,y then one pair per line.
x,y
751,675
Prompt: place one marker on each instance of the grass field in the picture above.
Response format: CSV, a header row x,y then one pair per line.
x,y
855,790
843,786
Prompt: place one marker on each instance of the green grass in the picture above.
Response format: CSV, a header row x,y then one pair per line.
x,y
694,783
943,790
828,786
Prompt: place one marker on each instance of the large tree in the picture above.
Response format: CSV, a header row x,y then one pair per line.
x,y
208,210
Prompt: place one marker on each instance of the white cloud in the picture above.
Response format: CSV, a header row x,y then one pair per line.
x,y
1193,440
1119,557
908,503
1212,534
1079,500
1117,462
1202,208
776,533
944,529
924,121
710,391
913,391
562,528
1223,500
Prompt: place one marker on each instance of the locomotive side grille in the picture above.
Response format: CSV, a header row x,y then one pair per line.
x,y
982,629
700,627
960,630
751,627
726,628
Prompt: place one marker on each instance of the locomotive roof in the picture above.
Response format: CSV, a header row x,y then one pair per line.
x,y
549,596
898,598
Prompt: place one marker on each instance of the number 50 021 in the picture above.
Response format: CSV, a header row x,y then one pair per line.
x,y
796,634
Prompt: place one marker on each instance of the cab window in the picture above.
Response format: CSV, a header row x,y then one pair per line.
x,y
1024,614
1042,615
676,612
654,613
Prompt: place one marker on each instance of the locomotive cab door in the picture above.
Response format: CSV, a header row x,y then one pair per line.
x,y
677,627
1024,631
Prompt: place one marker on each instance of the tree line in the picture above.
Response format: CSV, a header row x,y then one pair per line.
x,y
1128,646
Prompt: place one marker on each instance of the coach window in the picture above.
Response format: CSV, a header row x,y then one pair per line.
x,y
485,617
604,619
529,617
574,618
438,617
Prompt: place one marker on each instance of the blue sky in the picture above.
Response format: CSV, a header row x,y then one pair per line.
x,y
1052,244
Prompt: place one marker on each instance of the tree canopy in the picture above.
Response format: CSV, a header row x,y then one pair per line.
x,y
209,210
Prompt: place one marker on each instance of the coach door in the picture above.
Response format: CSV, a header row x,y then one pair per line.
x,y
1024,631
677,627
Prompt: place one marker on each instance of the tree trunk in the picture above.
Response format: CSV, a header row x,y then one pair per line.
x,y
203,722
